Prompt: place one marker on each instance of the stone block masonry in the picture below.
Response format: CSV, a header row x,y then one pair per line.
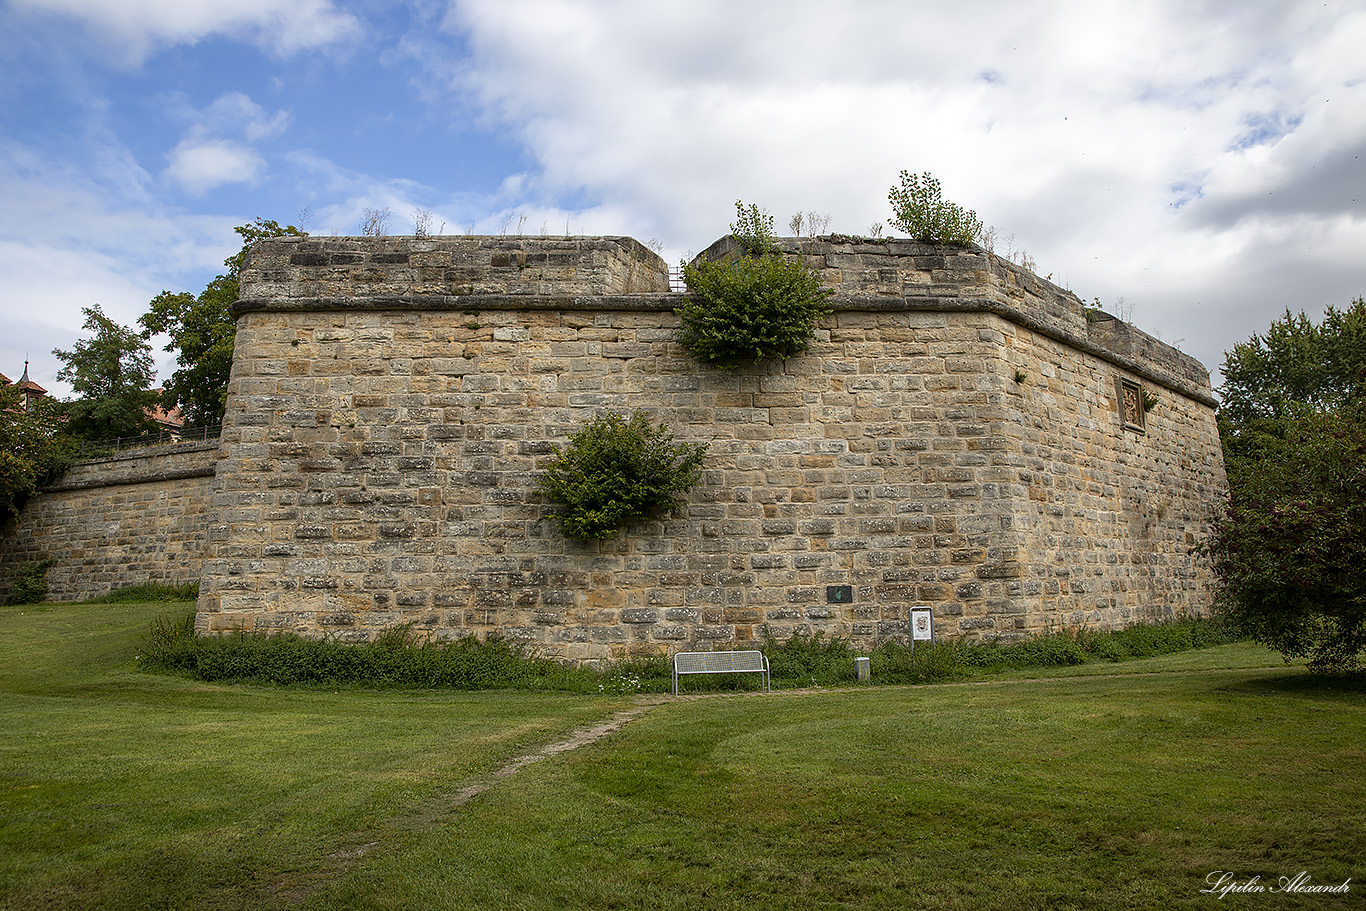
x,y
392,270
954,439
136,517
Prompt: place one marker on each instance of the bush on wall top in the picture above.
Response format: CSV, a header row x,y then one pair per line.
x,y
919,209
760,305
618,470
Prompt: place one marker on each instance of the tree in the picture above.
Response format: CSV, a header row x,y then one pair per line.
x,y
919,209
1297,366
202,331
33,449
112,374
202,334
1289,551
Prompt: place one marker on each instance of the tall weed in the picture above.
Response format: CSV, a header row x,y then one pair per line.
x,y
1071,647
927,662
394,659
810,661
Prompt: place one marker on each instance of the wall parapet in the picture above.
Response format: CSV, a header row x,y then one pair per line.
x,y
174,462
360,267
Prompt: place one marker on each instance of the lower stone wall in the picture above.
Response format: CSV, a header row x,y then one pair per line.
x,y
133,518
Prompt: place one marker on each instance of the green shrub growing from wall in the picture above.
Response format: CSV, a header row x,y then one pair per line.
x,y
758,306
919,209
30,583
619,470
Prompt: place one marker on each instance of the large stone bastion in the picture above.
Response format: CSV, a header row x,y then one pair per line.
x,y
962,435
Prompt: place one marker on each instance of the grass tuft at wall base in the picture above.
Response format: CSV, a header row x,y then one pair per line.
x,y
397,660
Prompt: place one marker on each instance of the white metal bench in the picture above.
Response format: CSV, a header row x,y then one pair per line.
x,y
721,663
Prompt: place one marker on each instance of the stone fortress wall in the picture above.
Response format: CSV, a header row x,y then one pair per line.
x,y
134,517
962,435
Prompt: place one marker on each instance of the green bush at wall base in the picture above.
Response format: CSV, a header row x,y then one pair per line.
x,y
1072,647
926,662
392,660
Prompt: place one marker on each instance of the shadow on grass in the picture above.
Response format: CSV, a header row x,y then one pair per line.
x,y
1298,682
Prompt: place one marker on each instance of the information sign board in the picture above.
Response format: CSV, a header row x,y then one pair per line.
x,y
922,623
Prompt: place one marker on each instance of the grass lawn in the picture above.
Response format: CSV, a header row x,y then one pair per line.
x,y
1119,786
120,789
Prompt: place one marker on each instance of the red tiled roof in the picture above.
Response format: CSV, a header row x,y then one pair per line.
x,y
172,418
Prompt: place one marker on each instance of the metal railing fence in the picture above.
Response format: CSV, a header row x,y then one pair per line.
x,y
92,448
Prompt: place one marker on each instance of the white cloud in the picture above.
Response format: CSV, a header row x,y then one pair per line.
x,y
235,111
1201,159
73,236
209,157
1161,151
138,27
200,165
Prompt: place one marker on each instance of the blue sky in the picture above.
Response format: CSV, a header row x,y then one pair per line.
x,y
1195,165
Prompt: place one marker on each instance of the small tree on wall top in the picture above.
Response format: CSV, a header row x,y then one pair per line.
x,y
919,209
753,228
618,470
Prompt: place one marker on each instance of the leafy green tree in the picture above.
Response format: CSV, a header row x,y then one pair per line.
x,y
757,306
111,372
33,448
918,208
1296,367
202,332
616,471
1290,551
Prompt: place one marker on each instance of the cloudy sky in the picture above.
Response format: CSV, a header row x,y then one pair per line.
x,y
1195,165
